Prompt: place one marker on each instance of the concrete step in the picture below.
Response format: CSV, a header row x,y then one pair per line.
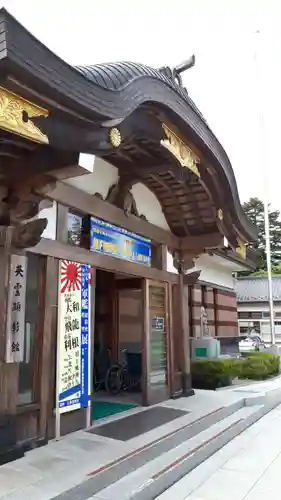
x,y
146,472
107,475
152,479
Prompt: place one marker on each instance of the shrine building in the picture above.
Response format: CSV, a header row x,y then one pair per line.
x,y
119,220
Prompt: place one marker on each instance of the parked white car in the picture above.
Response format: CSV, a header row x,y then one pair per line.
x,y
251,343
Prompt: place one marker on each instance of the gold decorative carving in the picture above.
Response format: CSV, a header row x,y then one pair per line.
x,y
241,249
115,138
180,150
220,214
16,114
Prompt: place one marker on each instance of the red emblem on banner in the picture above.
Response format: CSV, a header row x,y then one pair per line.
x,y
70,276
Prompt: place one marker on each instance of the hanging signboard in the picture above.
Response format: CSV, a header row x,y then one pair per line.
x,y
73,388
117,242
15,331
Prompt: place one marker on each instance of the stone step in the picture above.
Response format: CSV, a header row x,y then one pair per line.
x,y
148,471
152,479
107,475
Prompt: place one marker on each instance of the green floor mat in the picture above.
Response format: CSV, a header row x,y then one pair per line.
x,y
101,409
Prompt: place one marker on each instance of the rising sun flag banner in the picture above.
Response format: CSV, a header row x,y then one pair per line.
x,y
73,337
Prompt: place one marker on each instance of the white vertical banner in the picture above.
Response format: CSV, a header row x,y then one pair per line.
x,y
73,339
15,327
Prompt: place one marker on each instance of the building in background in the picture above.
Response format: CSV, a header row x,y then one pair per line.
x,y
253,306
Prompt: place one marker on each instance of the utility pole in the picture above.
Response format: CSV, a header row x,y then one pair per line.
x,y
263,167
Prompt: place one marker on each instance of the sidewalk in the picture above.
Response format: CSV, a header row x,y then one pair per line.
x,y
96,464
247,468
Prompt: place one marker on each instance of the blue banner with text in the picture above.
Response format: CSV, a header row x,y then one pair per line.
x,y
117,242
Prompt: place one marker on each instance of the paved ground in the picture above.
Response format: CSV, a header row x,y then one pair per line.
x,y
51,470
248,468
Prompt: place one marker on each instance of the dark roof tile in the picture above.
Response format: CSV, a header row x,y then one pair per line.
x,y
115,76
255,289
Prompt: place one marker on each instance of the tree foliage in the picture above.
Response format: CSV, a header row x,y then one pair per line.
x,y
254,209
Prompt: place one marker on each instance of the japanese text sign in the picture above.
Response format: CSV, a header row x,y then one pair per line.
x,y
73,336
15,332
117,242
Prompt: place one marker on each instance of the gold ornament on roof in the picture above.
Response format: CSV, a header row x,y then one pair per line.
x,y
16,114
115,138
180,150
220,214
241,249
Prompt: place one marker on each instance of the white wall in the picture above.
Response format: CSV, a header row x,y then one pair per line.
x,y
103,177
51,214
214,269
148,205
48,210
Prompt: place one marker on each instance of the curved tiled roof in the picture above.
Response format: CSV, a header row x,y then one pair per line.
x,y
112,92
255,289
116,76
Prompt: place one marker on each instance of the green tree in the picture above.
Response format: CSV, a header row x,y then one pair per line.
x,y
254,209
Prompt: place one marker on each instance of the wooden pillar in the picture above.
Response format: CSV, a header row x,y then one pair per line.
x,y
185,262
48,349
5,252
62,224
163,258
191,312
185,337
175,344
215,292
8,371
159,257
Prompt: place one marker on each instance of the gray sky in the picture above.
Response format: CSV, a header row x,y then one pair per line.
x,y
160,32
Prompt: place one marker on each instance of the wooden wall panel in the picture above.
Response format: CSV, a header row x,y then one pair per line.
x,y
8,388
104,311
130,321
27,425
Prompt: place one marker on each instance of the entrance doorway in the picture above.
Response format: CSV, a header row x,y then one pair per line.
x,y
118,344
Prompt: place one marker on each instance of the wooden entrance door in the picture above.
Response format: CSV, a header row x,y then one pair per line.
x,y
155,342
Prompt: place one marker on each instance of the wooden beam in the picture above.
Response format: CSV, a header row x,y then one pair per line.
x,y
68,172
89,204
128,284
69,252
211,240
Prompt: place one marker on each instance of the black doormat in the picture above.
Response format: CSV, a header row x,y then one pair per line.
x,y
139,423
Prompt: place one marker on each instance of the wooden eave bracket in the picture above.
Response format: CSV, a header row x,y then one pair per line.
x,y
201,243
191,278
